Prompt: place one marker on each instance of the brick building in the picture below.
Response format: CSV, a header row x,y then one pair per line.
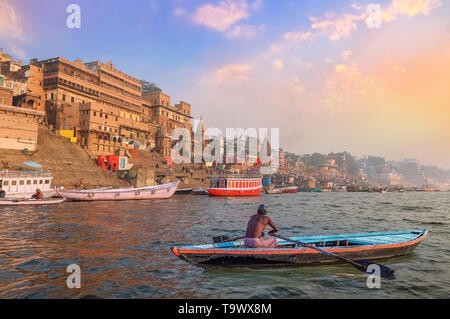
x,y
18,126
157,109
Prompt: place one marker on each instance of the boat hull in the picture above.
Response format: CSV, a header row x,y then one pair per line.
x,y
199,191
250,257
230,192
155,192
274,191
289,190
186,191
30,202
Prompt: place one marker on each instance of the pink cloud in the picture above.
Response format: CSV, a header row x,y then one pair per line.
x,y
11,27
232,74
224,15
244,31
336,27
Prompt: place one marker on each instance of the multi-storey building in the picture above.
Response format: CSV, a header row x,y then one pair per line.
x,y
18,126
157,109
101,103
25,81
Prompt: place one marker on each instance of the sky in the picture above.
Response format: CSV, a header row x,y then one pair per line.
x,y
368,77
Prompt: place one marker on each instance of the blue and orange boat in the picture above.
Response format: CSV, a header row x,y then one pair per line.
x,y
367,246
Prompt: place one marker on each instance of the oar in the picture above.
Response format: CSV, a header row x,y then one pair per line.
x,y
361,265
224,239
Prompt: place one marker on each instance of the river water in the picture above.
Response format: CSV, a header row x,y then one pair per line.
x,y
123,248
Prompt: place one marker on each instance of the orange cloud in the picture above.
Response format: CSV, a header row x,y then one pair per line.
x,y
409,8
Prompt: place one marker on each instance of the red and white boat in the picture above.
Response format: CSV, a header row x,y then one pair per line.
x,y
235,185
153,192
287,190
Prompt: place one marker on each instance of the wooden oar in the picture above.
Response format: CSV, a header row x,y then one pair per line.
x,y
225,239
361,265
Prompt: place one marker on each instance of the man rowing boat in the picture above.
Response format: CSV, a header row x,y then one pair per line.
x,y
255,228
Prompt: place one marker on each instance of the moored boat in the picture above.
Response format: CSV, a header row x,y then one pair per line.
x,y
274,191
28,202
235,185
153,192
289,190
184,191
310,190
23,184
199,191
354,246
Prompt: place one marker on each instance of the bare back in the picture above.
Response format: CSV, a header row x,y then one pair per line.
x,y
257,224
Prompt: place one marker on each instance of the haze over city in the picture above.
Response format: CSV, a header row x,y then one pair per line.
x,y
315,69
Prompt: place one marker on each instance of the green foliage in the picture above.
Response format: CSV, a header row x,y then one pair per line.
x,y
149,87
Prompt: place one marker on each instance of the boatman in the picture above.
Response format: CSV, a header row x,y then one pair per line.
x,y
255,228
38,194
2,192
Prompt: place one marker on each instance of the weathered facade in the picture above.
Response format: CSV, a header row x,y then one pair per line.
x,y
19,127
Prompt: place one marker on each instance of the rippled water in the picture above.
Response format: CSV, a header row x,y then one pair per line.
x,y
123,248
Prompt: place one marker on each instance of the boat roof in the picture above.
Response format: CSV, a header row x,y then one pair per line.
x,y
377,238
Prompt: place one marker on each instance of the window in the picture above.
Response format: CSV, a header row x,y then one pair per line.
x,y
5,183
72,99
28,182
40,182
47,181
95,113
64,97
35,182
14,183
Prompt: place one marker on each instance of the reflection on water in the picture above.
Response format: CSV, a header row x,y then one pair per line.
x,y
123,248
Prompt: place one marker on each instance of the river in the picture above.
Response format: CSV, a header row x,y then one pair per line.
x,y
123,248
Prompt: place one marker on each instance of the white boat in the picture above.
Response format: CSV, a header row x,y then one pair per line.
x,y
153,192
23,184
274,191
18,202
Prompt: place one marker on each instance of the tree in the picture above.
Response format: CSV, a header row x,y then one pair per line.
x,y
149,87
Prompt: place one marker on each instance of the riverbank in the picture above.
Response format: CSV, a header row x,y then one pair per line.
x,y
68,162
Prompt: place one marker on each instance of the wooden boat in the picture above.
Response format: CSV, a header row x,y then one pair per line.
x,y
25,202
274,191
354,246
184,191
289,190
154,192
235,185
199,191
